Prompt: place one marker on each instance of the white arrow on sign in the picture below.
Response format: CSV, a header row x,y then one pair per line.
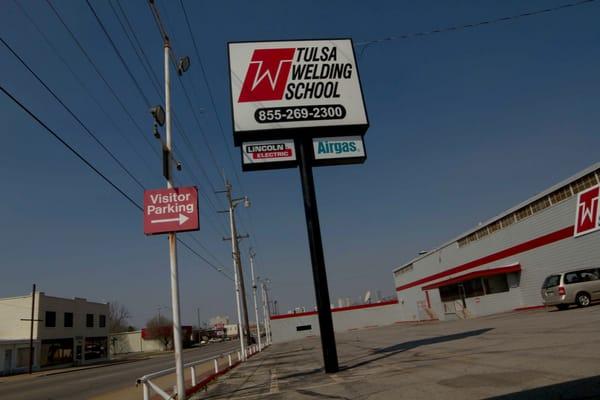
x,y
182,218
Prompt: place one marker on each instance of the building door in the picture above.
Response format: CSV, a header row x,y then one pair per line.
x,y
78,353
7,361
463,294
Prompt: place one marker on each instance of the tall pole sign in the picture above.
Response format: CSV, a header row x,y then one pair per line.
x,y
300,103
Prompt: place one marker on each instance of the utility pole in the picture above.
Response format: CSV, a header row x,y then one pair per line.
x,y
266,313
31,320
173,236
252,255
198,312
164,118
244,331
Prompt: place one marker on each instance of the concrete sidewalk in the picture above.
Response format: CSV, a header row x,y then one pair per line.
x,y
526,355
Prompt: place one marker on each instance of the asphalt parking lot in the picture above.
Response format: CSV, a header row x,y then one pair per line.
x,y
524,355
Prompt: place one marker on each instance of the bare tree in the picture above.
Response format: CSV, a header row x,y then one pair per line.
x,y
161,329
118,317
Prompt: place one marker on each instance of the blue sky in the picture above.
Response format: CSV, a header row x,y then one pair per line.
x,y
464,124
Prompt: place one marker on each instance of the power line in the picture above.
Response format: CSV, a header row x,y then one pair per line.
x,y
214,107
88,131
141,55
110,88
114,47
210,94
141,92
217,230
81,83
97,171
151,74
164,33
369,43
68,146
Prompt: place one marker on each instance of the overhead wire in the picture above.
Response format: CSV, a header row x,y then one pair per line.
x,y
80,81
62,103
147,102
118,53
98,172
90,60
217,116
369,43
165,36
162,30
97,70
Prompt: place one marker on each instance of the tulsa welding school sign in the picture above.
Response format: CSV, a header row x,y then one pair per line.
x,y
284,89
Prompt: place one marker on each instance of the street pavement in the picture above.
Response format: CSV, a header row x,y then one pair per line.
x,y
108,381
538,354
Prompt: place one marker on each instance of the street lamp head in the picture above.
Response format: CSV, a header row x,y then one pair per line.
x,y
158,113
247,203
183,65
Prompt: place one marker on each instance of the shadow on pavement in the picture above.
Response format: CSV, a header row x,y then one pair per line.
x,y
402,347
579,389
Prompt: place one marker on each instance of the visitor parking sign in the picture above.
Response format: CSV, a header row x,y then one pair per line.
x,y
171,210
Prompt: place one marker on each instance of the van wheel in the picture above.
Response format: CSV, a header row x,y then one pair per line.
x,y
582,299
562,307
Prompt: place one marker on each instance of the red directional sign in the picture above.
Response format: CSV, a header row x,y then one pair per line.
x,y
171,210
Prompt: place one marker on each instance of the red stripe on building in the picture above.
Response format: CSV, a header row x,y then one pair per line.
x,y
511,251
349,308
473,275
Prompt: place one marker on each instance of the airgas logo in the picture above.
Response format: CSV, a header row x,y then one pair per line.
x,y
339,147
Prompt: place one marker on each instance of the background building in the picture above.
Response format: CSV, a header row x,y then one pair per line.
x,y
70,331
501,264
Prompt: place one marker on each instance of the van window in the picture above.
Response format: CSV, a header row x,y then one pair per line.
x,y
588,275
551,281
572,277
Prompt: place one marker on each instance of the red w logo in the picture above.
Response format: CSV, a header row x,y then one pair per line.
x,y
267,75
587,211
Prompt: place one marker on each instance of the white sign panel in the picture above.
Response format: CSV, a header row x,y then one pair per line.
x,y
256,155
338,147
303,87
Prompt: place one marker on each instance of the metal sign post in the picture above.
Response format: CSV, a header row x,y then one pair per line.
x,y
305,152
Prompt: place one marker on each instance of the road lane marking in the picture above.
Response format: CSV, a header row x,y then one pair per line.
x,y
274,384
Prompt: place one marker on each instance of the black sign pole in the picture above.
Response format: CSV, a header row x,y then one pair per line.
x,y
305,153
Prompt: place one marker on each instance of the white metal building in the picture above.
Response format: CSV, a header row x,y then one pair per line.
x,y
501,264
67,331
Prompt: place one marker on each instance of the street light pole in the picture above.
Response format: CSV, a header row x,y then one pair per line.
x,y
252,255
172,236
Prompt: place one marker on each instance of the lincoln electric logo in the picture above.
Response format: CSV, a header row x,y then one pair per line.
x,y
267,75
587,211
266,151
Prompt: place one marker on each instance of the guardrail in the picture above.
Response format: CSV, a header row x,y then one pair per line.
x,y
149,386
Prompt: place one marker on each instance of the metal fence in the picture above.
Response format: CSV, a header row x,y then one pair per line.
x,y
233,358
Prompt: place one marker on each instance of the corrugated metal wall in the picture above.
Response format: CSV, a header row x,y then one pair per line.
x,y
565,254
285,329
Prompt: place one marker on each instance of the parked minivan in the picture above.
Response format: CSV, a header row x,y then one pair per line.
x,y
579,287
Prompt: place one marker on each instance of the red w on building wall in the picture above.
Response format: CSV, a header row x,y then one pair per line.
x,y
267,75
587,211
